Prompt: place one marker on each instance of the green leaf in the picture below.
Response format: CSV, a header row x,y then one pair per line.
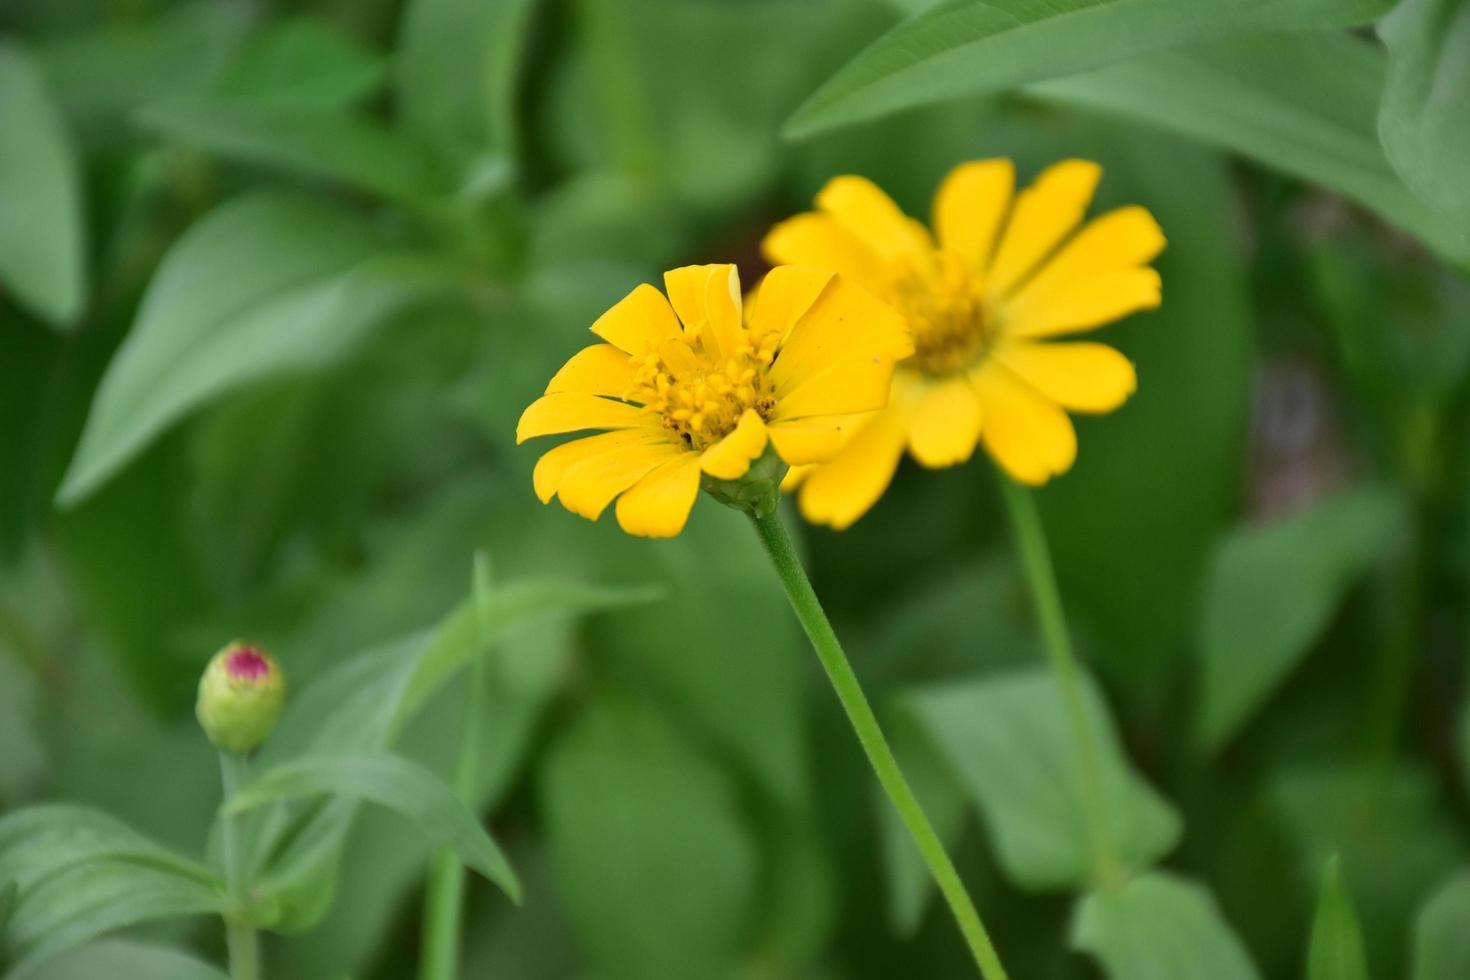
x,y
972,46
88,900
322,143
1303,104
1160,927
1271,591
42,251
457,73
1336,950
117,959
392,782
1441,941
1390,826
302,62
104,72
1008,739
231,304
633,812
38,842
1424,120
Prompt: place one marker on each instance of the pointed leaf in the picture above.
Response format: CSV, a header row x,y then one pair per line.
x,y
38,842
1271,591
88,900
971,46
117,959
230,304
1009,741
1304,104
1160,927
1336,950
41,233
392,782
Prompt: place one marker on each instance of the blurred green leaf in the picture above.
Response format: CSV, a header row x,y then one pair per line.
x,y
968,46
363,705
39,842
1441,940
232,303
392,782
117,959
88,900
1303,104
1389,827
635,816
1424,120
302,62
103,72
1273,588
1160,927
323,143
42,252
1336,950
457,73
1008,740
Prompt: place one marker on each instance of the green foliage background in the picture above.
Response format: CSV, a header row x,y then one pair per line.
x,y
276,279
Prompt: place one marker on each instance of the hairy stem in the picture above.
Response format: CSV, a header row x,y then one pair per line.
x,y
808,609
240,936
1036,563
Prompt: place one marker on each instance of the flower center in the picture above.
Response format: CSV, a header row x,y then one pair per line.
x,y
699,393
946,310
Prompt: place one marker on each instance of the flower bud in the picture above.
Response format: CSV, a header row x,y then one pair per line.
x,y
240,698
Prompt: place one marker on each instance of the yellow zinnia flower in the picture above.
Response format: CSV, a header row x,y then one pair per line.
x,y
1006,276
690,385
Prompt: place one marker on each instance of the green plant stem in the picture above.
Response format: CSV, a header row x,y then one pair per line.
x,y
240,935
444,902
1108,870
808,608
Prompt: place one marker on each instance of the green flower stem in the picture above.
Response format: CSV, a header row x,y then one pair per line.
x,y
240,936
444,903
808,609
1036,563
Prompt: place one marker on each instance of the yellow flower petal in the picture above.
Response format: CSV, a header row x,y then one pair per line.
x,y
838,492
730,458
589,485
946,423
639,321
845,322
1083,377
553,465
795,475
569,411
854,384
658,505
805,441
784,296
1028,435
601,369
1117,240
1082,305
869,215
1044,214
817,240
707,295
970,206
